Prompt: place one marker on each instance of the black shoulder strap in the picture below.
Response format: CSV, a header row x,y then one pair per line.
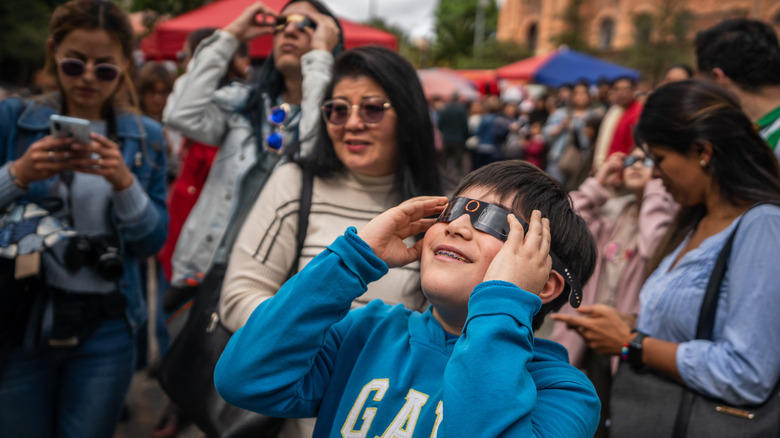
x,y
307,185
709,307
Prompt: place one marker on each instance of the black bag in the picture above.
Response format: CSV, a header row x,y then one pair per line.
x,y
186,373
644,403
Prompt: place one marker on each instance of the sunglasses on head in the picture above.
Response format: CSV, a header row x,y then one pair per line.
x,y
630,160
371,111
301,22
76,67
277,116
492,219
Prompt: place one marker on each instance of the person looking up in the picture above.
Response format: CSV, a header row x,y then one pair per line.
x,y
289,88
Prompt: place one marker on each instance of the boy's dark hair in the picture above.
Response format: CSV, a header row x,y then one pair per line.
x,y
530,188
746,50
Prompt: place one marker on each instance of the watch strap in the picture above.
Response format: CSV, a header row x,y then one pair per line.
x,y
635,351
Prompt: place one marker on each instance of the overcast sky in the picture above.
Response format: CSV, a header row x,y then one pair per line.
x,y
414,16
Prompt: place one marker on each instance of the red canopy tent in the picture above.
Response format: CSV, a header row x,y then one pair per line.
x,y
168,38
485,80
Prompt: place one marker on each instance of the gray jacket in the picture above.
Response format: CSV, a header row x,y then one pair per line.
x,y
210,115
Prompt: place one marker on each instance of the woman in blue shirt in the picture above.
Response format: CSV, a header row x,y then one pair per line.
x,y
716,167
68,368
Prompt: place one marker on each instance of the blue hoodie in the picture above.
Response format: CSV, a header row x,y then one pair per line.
x,y
387,371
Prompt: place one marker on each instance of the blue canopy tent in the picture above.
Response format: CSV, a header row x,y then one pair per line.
x,y
564,66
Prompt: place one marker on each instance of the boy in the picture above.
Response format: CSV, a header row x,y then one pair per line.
x,y
390,372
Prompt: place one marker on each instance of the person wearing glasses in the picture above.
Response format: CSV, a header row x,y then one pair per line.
x,y
467,366
717,167
67,345
306,35
627,230
374,149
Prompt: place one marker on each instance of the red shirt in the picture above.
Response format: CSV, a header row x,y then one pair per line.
x,y
623,139
184,193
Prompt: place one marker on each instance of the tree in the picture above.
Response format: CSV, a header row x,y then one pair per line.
x,y
23,32
172,7
455,23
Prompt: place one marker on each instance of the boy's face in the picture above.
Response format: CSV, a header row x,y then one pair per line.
x,y
455,257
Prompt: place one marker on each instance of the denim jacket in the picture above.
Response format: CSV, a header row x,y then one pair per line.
x,y
211,115
143,148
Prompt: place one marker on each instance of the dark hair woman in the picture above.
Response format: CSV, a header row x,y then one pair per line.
x,y
375,149
69,367
716,167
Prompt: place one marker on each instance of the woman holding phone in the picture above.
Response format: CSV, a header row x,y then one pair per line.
x,y
66,370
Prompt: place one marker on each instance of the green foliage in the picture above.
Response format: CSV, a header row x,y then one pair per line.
x,y
495,54
23,33
455,24
172,7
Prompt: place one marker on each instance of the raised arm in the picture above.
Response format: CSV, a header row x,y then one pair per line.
x,y
191,107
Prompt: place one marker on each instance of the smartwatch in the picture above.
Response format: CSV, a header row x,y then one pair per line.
x,y
635,351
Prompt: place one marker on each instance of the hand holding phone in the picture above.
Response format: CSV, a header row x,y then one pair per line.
x,y
65,127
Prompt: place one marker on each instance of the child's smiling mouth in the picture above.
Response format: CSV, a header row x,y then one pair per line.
x,y
451,254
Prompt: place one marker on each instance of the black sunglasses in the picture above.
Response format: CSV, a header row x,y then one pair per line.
x,y
76,67
630,160
492,219
301,22
337,111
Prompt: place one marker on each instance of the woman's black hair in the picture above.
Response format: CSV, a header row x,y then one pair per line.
x,y
270,80
417,173
681,116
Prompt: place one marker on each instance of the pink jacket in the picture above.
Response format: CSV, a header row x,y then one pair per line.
x,y
656,212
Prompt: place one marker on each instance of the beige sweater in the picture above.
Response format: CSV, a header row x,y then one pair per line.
x,y
265,248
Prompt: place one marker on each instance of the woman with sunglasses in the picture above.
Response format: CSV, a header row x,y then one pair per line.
x,y
68,367
716,166
627,228
251,124
374,150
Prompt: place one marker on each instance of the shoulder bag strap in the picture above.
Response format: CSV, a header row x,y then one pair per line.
x,y
307,185
709,307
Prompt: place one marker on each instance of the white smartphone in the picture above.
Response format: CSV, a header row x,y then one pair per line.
x,y
64,126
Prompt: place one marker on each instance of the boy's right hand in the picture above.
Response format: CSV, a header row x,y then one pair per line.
x,y
258,19
524,260
385,233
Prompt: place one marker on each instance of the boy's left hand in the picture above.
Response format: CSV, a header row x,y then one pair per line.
x,y
385,233
525,258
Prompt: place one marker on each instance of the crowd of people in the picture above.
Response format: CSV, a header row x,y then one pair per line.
x,y
381,257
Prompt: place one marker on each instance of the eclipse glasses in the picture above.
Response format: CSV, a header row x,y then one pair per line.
x,y
492,219
301,22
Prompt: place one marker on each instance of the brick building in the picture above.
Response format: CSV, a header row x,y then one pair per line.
x,y
615,24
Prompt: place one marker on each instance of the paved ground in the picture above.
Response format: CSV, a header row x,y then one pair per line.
x,y
145,404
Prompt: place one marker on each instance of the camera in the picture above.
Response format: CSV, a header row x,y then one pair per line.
x,y
98,252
